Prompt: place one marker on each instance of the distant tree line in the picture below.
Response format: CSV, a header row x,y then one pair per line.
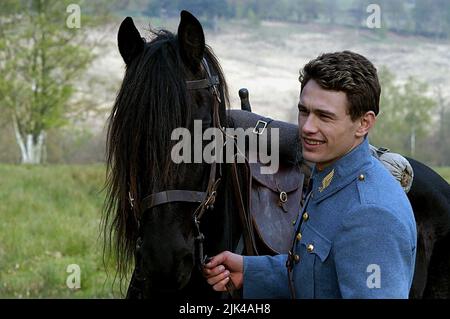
x,y
414,120
429,18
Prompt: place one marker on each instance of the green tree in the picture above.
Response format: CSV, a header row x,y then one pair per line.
x,y
405,114
43,53
432,17
394,15
442,142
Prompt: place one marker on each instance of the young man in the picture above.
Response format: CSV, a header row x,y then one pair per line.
x,y
356,235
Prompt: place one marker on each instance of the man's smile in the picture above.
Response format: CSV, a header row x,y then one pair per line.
x,y
313,142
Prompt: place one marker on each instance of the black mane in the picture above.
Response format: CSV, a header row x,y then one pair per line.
x,y
152,102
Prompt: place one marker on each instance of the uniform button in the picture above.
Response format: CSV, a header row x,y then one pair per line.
x,y
296,258
310,248
361,177
293,222
299,236
305,216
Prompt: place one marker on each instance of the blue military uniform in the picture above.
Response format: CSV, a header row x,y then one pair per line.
x,y
355,238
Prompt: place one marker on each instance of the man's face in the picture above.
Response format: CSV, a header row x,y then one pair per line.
x,y
326,130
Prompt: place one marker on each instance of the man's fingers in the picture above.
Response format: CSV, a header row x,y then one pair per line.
x,y
217,279
213,272
221,285
216,260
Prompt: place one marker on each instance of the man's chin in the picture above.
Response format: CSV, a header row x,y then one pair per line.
x,y
311,157
316,159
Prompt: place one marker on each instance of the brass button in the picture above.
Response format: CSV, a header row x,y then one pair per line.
x,y
283,197
310,248
293,222
299,236
361,177
296,258
305,216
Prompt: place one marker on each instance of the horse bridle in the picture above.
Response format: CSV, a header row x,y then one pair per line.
x,y
205,199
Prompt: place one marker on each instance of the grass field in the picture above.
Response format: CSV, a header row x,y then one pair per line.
x,y
444,172
50,218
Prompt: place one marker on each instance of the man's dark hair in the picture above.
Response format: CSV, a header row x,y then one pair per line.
x,y
348,72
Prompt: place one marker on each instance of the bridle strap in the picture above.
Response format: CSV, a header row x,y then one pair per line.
x,y
203,84
171,196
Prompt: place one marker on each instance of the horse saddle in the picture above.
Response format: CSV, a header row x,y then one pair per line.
x,y
274,200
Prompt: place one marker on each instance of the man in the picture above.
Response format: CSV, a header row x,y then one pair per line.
x,y
356,235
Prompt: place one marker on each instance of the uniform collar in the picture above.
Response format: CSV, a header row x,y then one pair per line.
x,y
342,172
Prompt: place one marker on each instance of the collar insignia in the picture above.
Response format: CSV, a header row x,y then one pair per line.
x,y
326,181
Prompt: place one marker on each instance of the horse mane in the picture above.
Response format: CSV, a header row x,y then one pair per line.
x,y
151,103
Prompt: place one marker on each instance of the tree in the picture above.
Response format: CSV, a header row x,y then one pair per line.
x,y
442,145
405,114
331,8
394,15
41,58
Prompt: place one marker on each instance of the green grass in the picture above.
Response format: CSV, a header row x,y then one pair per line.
x,y
444,172
50,218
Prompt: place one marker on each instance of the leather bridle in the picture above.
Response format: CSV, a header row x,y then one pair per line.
x,y
205,199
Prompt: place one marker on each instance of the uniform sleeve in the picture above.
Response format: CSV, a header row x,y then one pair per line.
x,y
265,277
374,255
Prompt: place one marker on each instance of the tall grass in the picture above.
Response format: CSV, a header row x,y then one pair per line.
x,y
49,219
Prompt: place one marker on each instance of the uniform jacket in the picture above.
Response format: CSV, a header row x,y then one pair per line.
x,y
355,238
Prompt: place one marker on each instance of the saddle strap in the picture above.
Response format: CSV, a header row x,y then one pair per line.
x,y
247,226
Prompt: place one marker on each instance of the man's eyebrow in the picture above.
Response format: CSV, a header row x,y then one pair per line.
x,y
317,111
324,112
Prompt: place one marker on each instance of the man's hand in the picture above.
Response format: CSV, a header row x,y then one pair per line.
x,y
222,268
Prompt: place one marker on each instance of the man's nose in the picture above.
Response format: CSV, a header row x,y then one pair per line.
x,y
309,125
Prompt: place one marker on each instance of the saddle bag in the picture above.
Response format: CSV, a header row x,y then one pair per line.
x,y
274,203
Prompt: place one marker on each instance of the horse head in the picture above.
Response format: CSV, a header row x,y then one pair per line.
x,y
153,201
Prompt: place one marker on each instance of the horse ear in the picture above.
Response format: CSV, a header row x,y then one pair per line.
x,y
191,40
129,40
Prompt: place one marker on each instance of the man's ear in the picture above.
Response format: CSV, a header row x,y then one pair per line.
x,y
129,40
191,40
366,122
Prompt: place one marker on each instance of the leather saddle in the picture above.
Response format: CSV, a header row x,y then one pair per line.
x,y
274,199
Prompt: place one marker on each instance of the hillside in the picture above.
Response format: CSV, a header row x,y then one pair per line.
x,y
266,59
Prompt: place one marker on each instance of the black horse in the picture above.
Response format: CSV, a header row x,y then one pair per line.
x,y
169,83
153,206
430,200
